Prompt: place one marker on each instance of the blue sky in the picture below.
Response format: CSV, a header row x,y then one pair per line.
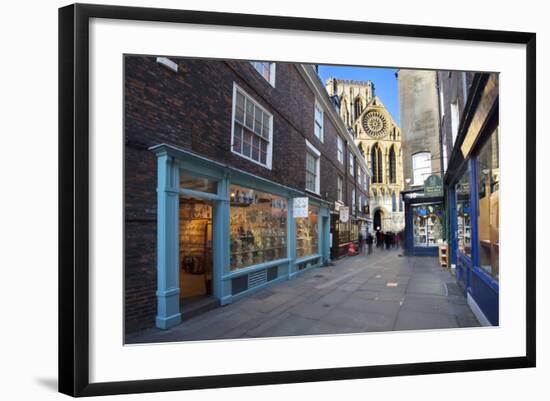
x,y
385,82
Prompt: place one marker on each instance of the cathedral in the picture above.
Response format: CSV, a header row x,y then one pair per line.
x,y
379,138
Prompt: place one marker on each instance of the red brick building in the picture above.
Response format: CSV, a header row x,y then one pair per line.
x,y
215,154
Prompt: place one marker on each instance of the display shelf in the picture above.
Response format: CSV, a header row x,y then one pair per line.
x,y
259,250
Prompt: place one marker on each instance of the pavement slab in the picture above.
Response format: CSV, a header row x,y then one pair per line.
x,y
366,293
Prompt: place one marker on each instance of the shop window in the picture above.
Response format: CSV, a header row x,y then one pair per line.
x,y
353,230
258,227
422,167
463,213
428,224
488,174
266,70
307,233
252,129
318,121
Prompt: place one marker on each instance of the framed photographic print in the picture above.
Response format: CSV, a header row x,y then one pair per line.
x,y
236,211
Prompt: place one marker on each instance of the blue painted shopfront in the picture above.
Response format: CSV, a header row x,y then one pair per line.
x,y
285,252
480,287
429,211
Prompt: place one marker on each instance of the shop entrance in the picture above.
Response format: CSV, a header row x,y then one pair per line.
x,y
196,259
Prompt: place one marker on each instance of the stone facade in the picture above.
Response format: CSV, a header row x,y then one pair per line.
x,y
379,138
419,121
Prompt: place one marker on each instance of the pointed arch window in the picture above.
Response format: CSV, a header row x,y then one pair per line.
x,y
376,164
393,175
358,107
345,111
393,202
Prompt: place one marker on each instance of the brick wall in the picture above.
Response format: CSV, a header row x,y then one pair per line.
x,y
192,109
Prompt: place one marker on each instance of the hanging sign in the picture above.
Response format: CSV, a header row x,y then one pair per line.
x,y
433,186
300,207
344,214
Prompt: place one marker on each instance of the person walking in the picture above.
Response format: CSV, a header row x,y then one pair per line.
x,y
370,240
360,242
387,240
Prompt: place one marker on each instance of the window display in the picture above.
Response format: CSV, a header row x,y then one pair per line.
x,y
307,233
354,230
463,213
258,227
488,221
428,224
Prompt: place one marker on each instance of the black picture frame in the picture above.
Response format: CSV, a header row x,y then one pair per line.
x,y
74,198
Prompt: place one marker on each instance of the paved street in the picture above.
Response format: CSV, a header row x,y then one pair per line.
x,y
379,292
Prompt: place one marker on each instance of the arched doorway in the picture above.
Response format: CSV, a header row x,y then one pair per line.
x,y
377,221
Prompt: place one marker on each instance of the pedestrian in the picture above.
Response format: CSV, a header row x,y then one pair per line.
x,y
360,242
398,239
370,240
387,240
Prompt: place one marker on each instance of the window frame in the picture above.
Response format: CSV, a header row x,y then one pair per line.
x,y
312,150
269,152
351,164
339,189
272,70
340,153
414,169
317,107
392,170
377,164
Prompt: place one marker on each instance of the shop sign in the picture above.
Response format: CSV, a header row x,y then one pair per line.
x,y
344,214
433,186
300,207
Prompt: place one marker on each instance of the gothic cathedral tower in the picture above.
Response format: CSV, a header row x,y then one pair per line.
x,y
379,138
